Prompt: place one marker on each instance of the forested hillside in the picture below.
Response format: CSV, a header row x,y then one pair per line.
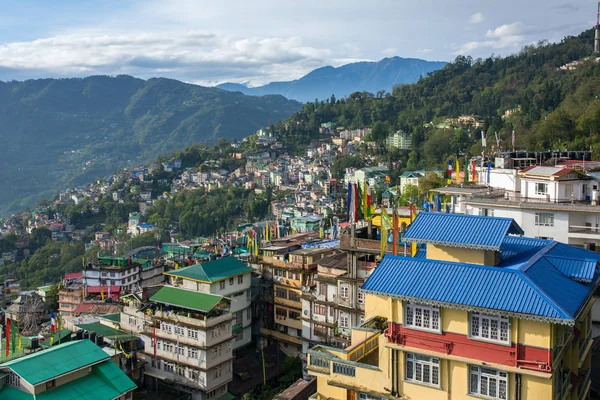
x,y
59,133
555,108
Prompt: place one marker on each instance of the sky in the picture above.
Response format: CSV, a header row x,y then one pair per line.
x,y
260,41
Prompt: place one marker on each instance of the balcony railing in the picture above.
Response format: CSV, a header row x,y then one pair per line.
x,y
588,230
370,245
585,344
584,386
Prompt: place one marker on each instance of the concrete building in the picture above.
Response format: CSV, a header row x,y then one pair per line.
x,y
77,369
69,298
193,347
400,140
227,277
113,271
447,326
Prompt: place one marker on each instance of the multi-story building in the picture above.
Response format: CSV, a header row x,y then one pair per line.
x,y
193,346
291,279
400,140
228,277
69,298
113,271
555,203
485,314
77,369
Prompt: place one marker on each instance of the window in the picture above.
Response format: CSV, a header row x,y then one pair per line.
x,y
344,321
179,330
239,336
217,351
168,367
180,350
361,297
489,327
544,219
229,347
216,332
362,319
192,333
180,370
541,188
487,212
248,296
222,285
279,292
423,369
230,281
319,330
365,396
192,353
240,279
280,312
488,382
217,372
238,317
194,375
344,290
248,313
569,190
132,321
320,309
166,327
323,289
294,315
422,317
294,296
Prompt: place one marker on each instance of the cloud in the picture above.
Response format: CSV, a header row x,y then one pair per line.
x,y
390,51
189,56
477,18
424,51
507,36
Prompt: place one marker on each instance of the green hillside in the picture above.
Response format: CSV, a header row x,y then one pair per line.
x,y
58,133
559,108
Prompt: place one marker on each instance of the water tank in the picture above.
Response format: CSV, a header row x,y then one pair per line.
x,y
79,334
93,336
99,340
35,343
86,335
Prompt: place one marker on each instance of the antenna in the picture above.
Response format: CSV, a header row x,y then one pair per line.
x,y
597,35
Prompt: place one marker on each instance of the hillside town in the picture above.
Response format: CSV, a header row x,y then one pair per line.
x,y
332,278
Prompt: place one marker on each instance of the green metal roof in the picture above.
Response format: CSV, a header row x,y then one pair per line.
x,y
116,317
59,360
44,288
106,382
63,336
106,331
212,271
226,396
186,298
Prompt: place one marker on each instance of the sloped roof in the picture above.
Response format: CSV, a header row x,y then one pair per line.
x,y
106,382
212,271
186,298
460,230
48,364
529,283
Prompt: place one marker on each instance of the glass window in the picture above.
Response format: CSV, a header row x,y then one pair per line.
x,y
344,321
544,219
231,281
488,327
361,297
422,317
344,290
222,285
488,382
541,188
320,309
422,369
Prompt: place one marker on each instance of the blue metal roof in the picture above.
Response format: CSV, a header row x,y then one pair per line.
x,y
513,245
528,284
460,230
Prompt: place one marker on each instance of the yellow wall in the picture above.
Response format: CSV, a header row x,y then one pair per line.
x,y
532,388
377,306
458,254
455,321
531,333
330,392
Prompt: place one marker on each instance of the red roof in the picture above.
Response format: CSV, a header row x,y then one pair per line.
x,y
96,308
98,289
74,275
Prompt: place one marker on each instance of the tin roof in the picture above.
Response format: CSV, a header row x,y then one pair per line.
x,y
551,282
212,271
460,230
186,298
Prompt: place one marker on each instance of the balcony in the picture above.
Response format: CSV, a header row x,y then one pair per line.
x,y
584,386
363,244
584,232
196,322
584,347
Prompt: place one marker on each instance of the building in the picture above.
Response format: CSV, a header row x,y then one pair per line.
x,y
374,176
193,347
73,370
488,315
113,271
400,140
409,178
555,203
69,298
308,223
227,277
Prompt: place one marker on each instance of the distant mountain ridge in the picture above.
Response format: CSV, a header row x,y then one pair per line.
x,y
361,76
60,133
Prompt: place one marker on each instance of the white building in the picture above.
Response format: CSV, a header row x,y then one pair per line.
x,y
193,348
228,277
555,203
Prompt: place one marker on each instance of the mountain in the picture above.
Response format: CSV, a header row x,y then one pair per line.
x,y
342,81
59,133
547,94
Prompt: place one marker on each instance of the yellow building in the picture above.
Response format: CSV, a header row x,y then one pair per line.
x,y
484,314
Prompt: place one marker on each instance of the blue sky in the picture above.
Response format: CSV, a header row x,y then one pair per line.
x,y
259,41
